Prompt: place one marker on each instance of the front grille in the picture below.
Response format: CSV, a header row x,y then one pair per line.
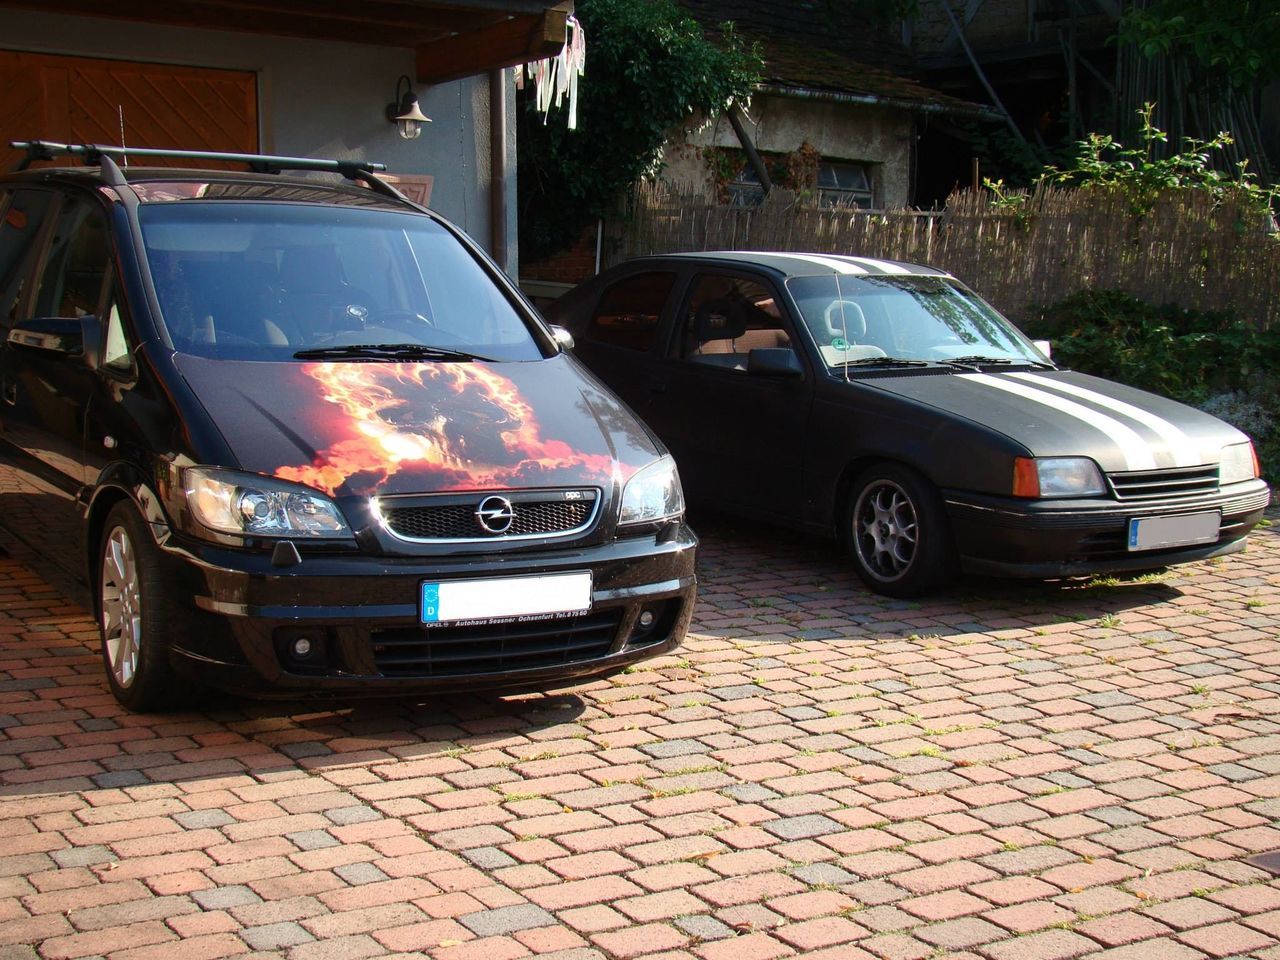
x,y
453,517
1174,484
466,651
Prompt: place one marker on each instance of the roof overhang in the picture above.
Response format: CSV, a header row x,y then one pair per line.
x,y
937,104
450,40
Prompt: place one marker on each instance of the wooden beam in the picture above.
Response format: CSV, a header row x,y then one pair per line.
x,y
505,44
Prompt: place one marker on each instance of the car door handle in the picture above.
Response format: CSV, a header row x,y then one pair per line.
x,y
659,382
10,393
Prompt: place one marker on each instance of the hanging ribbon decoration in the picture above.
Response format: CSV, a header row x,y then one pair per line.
x,y
556,78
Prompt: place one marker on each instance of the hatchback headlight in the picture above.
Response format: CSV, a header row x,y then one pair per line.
x,y
1051,477
653,494
248,504
1238,462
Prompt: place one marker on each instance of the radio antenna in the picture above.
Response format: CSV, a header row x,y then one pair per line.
x,y
120,110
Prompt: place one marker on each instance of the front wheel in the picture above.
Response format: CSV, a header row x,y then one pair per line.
x,y
898,533
135,615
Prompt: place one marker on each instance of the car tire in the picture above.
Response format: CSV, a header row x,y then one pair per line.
x,y
136,616
898,533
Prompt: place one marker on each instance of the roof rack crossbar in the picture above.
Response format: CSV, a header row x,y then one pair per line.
x,y
260,163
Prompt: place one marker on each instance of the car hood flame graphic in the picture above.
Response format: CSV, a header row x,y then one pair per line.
x,y
352,428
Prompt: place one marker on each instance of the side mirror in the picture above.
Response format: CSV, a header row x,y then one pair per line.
x,y
779,362
65,336
562,337
1045,347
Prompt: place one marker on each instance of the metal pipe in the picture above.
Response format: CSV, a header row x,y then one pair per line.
x,y
744,138
498,168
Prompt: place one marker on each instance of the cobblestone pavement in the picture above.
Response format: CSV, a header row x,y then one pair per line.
x,y
1010,772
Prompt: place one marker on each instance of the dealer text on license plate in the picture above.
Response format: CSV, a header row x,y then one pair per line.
x,y
505,599
1156,533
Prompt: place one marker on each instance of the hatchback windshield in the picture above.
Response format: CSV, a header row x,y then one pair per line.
x,y
270,281
857,320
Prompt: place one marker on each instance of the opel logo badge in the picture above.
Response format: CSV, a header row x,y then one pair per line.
x,y
495,514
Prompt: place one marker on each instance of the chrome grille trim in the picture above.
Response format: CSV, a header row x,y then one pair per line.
x,y
1176,483
578,506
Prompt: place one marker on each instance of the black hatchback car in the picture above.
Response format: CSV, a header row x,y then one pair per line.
x,y
302,436
885,404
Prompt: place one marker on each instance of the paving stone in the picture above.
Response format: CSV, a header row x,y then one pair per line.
x,y
704,928
274,936
503,920
798,828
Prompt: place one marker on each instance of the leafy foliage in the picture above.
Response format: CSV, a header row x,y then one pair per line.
x,y
1104,162
648,69
1215,361
1233,42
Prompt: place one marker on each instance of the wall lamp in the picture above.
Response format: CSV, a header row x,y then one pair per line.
x,y
404,112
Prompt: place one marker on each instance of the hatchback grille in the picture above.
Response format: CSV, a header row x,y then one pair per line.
x,y
1173,484
466,651
539,514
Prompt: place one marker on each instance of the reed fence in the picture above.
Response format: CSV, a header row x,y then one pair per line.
x,y
1186,250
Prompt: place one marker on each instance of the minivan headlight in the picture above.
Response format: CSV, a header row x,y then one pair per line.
x,y
248,504
1238,462
1056,477
653,494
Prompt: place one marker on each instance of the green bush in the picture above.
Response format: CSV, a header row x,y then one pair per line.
x,y
1214,361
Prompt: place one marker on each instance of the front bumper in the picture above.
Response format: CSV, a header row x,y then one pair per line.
x,y
1044,539
360,614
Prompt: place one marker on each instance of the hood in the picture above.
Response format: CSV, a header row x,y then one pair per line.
x,y
357,428
1058,413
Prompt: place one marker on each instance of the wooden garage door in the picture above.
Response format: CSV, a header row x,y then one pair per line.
x,y
78,100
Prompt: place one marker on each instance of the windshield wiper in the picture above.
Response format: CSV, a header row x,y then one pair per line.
x,y
980,361
385,351
881,362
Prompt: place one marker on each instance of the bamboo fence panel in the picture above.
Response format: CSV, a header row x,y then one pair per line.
x,y
1186,250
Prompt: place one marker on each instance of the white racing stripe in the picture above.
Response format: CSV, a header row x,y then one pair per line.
x,y
1136,451
847,267
1185,452
885,266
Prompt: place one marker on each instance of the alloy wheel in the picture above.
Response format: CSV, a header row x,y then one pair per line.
x,y
885,530
121,607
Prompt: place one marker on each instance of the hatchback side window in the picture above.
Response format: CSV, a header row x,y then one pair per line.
x,y
76,267
629,311
725,318
24,211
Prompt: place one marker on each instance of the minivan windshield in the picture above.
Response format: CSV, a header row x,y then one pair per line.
x,y
276,281
857,321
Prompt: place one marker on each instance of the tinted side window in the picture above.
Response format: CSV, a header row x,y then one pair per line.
x,y
728,317
628,313
71,285
24,211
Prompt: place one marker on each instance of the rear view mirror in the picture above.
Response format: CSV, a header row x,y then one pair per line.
x,y
562,337
1045,347
780,362
66,336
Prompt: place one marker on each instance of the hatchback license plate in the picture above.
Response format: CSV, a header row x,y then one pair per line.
x,y
505,599
1155,533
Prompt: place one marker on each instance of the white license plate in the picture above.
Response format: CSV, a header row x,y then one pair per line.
x,y
1155,533
505,599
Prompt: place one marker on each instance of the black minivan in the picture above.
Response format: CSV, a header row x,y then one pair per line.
x,y
300,435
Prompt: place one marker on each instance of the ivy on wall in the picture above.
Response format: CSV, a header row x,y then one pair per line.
x,y
648,69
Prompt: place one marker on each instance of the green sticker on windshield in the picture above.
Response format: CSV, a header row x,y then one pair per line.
x,y
840,343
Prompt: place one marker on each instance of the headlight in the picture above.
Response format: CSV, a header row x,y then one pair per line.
x,y
1056,477
653,494
247,504
1238,462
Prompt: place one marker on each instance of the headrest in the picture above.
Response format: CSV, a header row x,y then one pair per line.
x,y
719,319
845,319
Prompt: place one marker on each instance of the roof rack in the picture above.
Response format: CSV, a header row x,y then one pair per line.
x,y
103,155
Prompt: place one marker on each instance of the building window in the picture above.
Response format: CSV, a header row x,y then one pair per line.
x,y
840,184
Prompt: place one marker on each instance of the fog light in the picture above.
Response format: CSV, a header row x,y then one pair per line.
x,y
646,619
302,647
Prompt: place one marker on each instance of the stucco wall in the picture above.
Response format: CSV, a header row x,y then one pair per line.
x,y
317,98
880,136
